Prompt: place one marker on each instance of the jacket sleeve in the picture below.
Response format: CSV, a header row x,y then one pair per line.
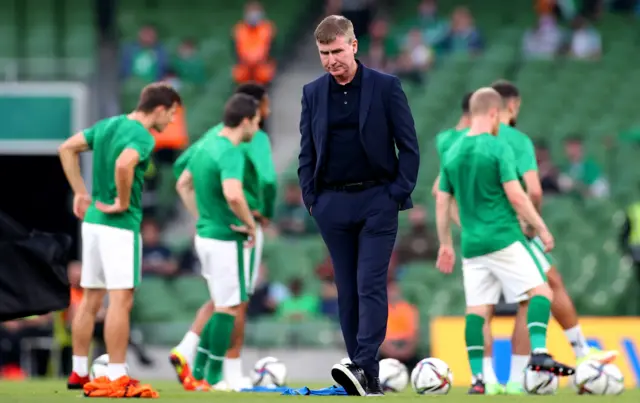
x,y
404,133
307,157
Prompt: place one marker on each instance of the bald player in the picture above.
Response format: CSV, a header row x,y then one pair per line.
x,y
479,173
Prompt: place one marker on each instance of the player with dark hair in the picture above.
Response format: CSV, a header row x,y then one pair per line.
x,y
112,215
259,171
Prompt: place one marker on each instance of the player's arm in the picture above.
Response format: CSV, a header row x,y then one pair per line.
x,y
185,190
455,215
443,210
534,188
126,164
231,174
529,166
69,153
234,194
523,206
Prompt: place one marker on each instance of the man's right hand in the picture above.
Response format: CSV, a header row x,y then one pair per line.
x,y
547,240
249,231
81,203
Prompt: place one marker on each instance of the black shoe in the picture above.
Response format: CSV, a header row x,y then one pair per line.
x,y
544,362
351,377
373,387
477,387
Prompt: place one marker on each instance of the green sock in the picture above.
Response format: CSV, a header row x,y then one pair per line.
x,y
202,354
220,340
537,321
474,338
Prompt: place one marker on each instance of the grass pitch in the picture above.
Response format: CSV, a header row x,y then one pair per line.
x,y
51,391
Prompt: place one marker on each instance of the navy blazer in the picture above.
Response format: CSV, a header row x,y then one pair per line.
x,y
385,123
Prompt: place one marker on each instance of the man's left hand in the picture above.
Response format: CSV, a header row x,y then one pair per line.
x,y
115,208
446,259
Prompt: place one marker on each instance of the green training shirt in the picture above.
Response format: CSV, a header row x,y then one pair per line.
x,y
216,160
260,182
474,170
108,139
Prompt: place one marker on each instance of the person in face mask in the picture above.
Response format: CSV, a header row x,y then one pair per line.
x,y
434,29
253,38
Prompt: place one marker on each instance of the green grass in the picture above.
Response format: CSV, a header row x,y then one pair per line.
x,y
56,392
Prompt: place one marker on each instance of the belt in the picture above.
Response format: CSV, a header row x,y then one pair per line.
x,y
352,187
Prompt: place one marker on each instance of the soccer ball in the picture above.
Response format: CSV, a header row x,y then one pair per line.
x,y
394,375
269,372
99,367
540,382
594,378
431,376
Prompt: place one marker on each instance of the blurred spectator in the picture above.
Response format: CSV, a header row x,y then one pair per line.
x,y
172,78
267,295
329,299
582,175
416,58
403,329
13,336
359,12
147,59
586,42
384,47
157,259
434,29
292,217
253,41
564,9
377,59
419,243
189,64
545,41
463,37
630,235
299,305
548,171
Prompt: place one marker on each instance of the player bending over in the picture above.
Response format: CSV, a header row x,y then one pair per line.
x,y
479,171
111,243
528,176
212,188
260,190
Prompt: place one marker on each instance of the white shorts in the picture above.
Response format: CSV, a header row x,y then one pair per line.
x,y
544,259
513,271
255,260
111,257
225,267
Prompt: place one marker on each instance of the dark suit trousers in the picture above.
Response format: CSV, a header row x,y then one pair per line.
x,y
360,230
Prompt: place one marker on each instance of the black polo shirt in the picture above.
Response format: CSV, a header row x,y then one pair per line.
x,y
346,160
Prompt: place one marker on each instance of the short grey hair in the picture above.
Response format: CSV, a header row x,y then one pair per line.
x,y
332,27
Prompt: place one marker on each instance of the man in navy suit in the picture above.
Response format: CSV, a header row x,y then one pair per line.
x,y
354,184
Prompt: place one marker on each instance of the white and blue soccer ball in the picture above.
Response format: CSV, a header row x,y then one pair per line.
x,y
594,378
432,376
269,372
99,367
540,382
394,375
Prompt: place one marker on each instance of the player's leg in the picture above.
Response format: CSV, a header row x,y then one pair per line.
x,y
233,360
564,311
226,278
492,386
482,292
182,357
120,253
520,350
521,273
93,284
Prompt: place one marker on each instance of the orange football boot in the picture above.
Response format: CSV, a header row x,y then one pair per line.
x,y
192,384
180,365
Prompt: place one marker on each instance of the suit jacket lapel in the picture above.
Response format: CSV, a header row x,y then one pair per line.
x,y
323,112
366,93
